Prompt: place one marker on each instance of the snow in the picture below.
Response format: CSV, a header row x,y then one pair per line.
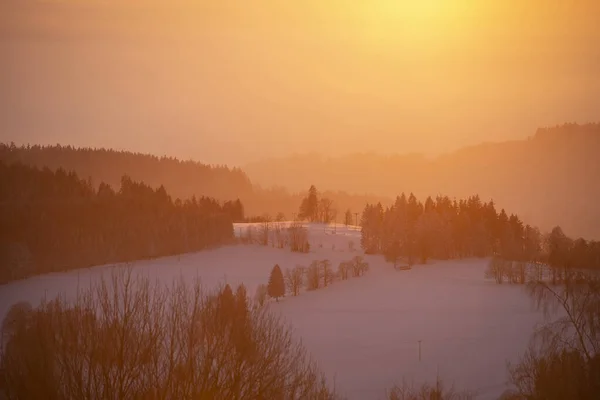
x,y
363,332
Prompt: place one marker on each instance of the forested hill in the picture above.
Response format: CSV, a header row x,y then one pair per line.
x,y
182,179
54,221
551,178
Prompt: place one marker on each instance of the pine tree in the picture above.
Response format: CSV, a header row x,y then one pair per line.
x,y
309,209
276,287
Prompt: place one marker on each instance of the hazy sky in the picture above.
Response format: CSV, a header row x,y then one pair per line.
x,y
229,81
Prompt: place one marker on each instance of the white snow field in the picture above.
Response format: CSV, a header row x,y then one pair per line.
x,y
363,332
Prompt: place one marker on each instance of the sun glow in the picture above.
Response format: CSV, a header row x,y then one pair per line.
x,y
416,21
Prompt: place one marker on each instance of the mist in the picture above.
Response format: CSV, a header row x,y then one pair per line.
x,y
224,84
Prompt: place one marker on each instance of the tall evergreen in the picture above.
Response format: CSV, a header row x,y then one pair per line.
x,y
276,286
309,208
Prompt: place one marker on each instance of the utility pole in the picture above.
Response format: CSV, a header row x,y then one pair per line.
x,y
419,350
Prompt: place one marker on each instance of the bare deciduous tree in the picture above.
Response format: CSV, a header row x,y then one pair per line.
x,y
563,360
250,235
351,245
298,237
260,297
280,217
326,210
127,338
359,266
280,237
264,230
294,278
344,270
313,276
327,272
427,392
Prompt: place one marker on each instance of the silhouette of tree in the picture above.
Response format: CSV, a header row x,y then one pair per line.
x,y
309,208
276,286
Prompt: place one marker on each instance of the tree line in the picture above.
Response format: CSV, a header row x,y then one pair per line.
x,y
319,274
445,229
55,221
182,179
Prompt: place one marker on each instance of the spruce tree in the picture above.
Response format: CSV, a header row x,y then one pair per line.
x,y
276,287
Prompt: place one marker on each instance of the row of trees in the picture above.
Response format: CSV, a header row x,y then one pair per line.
x,y
558,259
562,252
277,234
319,274
53,220
444,229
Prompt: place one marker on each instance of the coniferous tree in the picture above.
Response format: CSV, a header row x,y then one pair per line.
x,y
276,286
309,209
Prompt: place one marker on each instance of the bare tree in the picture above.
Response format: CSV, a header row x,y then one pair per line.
x,y
359,266
327,272
326,211
260,297
344,270
563,360
298,236
250,235
264,230
577,303
294,278
127,338
313,276
427,392
496,269
280,217
279,234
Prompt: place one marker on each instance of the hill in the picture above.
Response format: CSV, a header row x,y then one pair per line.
x,y
181,179
548,179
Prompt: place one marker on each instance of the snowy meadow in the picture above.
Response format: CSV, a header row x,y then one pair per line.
x,y
367,333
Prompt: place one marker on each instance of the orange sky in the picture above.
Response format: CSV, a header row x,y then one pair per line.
x,y
226,83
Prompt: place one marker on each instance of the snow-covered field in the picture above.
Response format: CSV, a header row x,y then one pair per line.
x,y
363,332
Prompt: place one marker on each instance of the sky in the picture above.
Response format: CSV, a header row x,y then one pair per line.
x,y
230,82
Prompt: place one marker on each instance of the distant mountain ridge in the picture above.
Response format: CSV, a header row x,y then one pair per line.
x,y
551,178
